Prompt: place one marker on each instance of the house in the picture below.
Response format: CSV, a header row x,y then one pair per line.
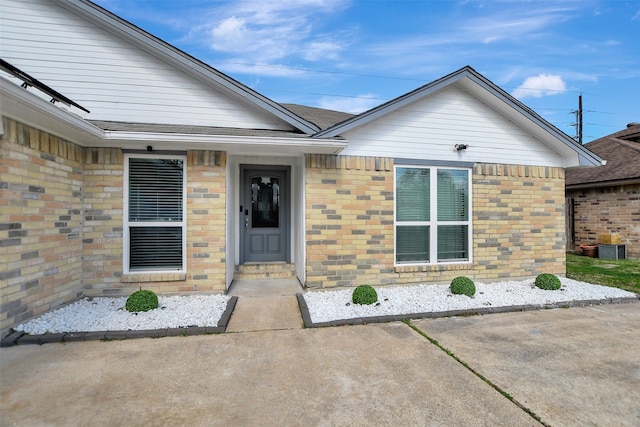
x,y
127,163
606,199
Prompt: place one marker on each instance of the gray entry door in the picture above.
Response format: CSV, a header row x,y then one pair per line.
x,y
264,215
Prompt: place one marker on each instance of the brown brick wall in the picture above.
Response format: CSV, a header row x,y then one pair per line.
x,y
40,224
608,210
518,224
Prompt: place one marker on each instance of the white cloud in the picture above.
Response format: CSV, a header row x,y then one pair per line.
x,y
515,22
539,86
323,50
244,66
355,105
270,31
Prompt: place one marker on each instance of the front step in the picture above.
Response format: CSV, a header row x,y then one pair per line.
x,y
273,270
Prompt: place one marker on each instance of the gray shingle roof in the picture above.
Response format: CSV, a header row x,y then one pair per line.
x,y
191,129
318,116
321,117
621,150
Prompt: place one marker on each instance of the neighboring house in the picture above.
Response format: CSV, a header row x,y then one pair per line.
x,y
606,199
161,172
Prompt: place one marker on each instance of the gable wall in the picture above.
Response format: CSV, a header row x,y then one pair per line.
x,y
518,224
429,129
608,210
113,79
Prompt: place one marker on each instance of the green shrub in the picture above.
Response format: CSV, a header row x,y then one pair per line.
x,y
364,294
141,301
548,282
462,285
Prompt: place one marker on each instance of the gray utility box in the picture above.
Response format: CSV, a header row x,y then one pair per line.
x,y
612,251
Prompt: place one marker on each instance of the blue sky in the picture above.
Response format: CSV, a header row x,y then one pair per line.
x,y
351,55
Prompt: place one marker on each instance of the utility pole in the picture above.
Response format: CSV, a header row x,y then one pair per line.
x,y
578,123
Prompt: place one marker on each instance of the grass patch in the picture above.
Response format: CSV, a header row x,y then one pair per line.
x,y
623,274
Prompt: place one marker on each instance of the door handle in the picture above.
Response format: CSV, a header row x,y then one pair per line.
x,y
246,224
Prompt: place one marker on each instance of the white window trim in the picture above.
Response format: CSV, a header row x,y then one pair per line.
x,y
433,214
127,224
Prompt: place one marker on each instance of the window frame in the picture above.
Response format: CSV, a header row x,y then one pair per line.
x,y
433,221
127,224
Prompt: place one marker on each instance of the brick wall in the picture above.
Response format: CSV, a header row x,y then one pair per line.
x,y
518,224
349,216
102,230
61,234
608,210
206,217
518,220
40,224
205,259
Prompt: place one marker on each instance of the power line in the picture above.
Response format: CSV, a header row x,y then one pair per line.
x,y
378,76
344,73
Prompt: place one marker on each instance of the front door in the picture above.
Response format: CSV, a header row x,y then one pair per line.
x,y
264,214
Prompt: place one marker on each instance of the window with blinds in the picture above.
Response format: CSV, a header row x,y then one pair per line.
x,y
154,217
432,216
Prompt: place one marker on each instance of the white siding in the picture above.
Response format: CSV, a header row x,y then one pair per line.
x,y
430,128
114,79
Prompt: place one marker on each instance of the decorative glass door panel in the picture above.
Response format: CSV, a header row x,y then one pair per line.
x,y
265,202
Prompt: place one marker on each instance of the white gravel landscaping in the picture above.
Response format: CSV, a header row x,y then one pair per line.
x,y
336,305
109,314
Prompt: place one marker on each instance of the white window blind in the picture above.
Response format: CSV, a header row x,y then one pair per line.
x,y
155,228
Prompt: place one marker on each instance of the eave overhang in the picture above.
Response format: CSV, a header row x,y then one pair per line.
x,y
600,184
28,108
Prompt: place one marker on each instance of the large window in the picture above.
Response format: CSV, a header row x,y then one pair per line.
x,y
432,215
154,213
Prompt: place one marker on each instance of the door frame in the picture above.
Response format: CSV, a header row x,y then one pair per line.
x,y
285,208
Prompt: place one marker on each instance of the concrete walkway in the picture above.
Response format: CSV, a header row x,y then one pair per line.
x,y
569,366
265,305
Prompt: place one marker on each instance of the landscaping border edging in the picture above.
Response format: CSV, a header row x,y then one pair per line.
x,y
308,323
20,338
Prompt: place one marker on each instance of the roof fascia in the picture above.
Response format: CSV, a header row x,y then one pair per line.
x,y
184,61
24,106
255,145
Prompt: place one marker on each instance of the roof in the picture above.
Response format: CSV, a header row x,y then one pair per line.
x,y
191,129
478,85
184,61
621,150
319,116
